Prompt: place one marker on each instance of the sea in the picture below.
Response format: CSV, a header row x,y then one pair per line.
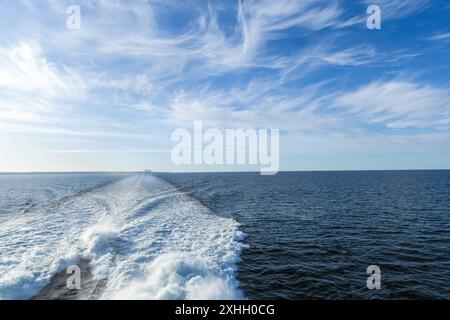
x,y
294,235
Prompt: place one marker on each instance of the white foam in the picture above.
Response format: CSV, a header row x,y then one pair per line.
x,y
180,276
146,239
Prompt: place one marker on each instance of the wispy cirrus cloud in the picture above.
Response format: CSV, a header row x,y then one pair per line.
x,y
219,48
354,56
256,104
443,36
395,104
397,9
90,151
262,21
31,86
390,10
61,131
138,69
399,104
24,68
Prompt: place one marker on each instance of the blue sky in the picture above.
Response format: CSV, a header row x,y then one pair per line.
x,y
108,96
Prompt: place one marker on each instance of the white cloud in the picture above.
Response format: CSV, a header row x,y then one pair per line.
x,y
399,104
74,151
131,30
441,36
25,110
60,131
24,68
352,56
134,69
31,86
258,23
397,9
390,10
254,106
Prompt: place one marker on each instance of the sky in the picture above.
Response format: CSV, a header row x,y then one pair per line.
x,y
108,96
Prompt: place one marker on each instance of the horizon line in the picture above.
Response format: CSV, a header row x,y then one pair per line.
x,y
189,172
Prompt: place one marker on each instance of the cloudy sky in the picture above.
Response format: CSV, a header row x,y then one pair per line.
x,y
108,96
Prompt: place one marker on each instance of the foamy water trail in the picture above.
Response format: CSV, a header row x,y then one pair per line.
x,y
144,238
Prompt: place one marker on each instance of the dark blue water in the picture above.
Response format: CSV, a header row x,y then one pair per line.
x,y
313,234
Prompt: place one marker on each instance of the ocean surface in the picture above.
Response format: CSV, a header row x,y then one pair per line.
x,y
302,235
